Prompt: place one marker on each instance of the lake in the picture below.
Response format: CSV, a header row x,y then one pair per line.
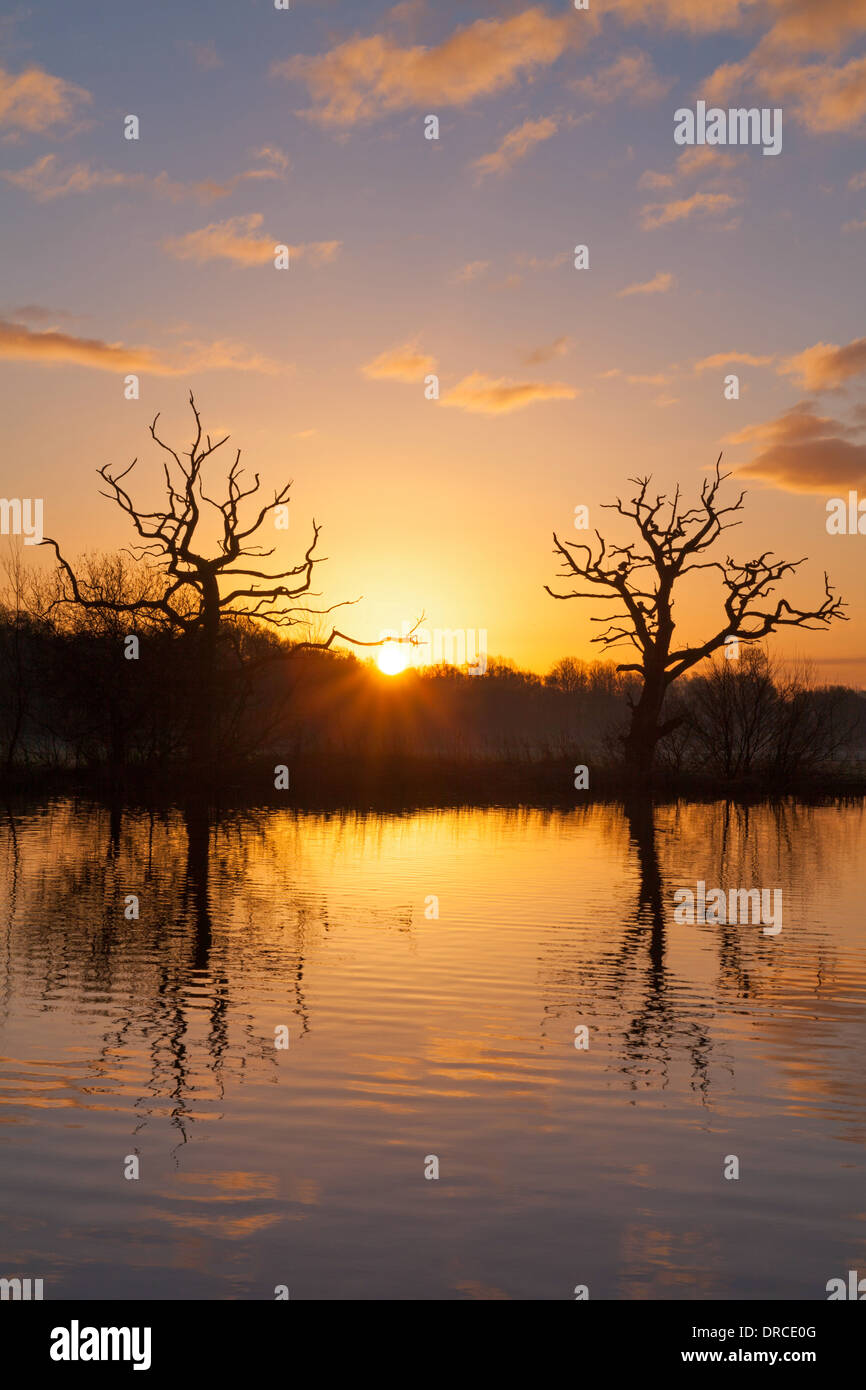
x,y
565,1158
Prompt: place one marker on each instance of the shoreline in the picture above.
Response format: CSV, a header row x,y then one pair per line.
x,y
331,783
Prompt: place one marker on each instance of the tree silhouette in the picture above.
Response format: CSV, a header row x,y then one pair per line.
x,y
200,585
641,577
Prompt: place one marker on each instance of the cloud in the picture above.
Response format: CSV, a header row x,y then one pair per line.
x,y
485,395
204,54
825,98
727,79
650,178
273,155
661,214
235,240
39,313
804,452
407,12
855,225
638,379
471,271
558,348
544,262
33,101
19,343
45,180
819,25
659,284
404,363
698,16
703,157
808,26
514,147
799,424
821,96
632,78
695,160
857,182
365,78
721,359
225,354
826,366
535,264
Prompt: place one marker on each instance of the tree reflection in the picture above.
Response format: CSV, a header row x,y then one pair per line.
x,y
632,990
639,972
166,970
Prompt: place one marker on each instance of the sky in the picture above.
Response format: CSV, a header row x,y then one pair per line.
x,y
454,257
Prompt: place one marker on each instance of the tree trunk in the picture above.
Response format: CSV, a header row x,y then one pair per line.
x,y
644,732
203,723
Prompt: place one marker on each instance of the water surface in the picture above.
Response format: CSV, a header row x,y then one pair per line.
x,y
412,1035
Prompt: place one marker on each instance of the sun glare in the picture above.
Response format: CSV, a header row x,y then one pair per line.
x,y
393,658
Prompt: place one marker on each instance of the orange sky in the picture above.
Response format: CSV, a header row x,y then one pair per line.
x,y
452,256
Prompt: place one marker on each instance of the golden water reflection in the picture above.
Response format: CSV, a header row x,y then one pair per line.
x,y
415,1034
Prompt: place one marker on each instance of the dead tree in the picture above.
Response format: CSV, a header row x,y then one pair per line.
x,y
640,578
198,584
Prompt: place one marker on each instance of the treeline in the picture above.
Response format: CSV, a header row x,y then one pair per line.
x,y
76,693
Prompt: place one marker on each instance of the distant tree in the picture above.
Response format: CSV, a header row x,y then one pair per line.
x,y
101,706
641,577
811,726
574,676
568,674
21,627
731,711
762,715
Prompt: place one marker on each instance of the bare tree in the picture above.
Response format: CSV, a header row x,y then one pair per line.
x,y
198,584
640,577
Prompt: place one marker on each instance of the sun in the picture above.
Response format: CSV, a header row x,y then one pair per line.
x,y
393,658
